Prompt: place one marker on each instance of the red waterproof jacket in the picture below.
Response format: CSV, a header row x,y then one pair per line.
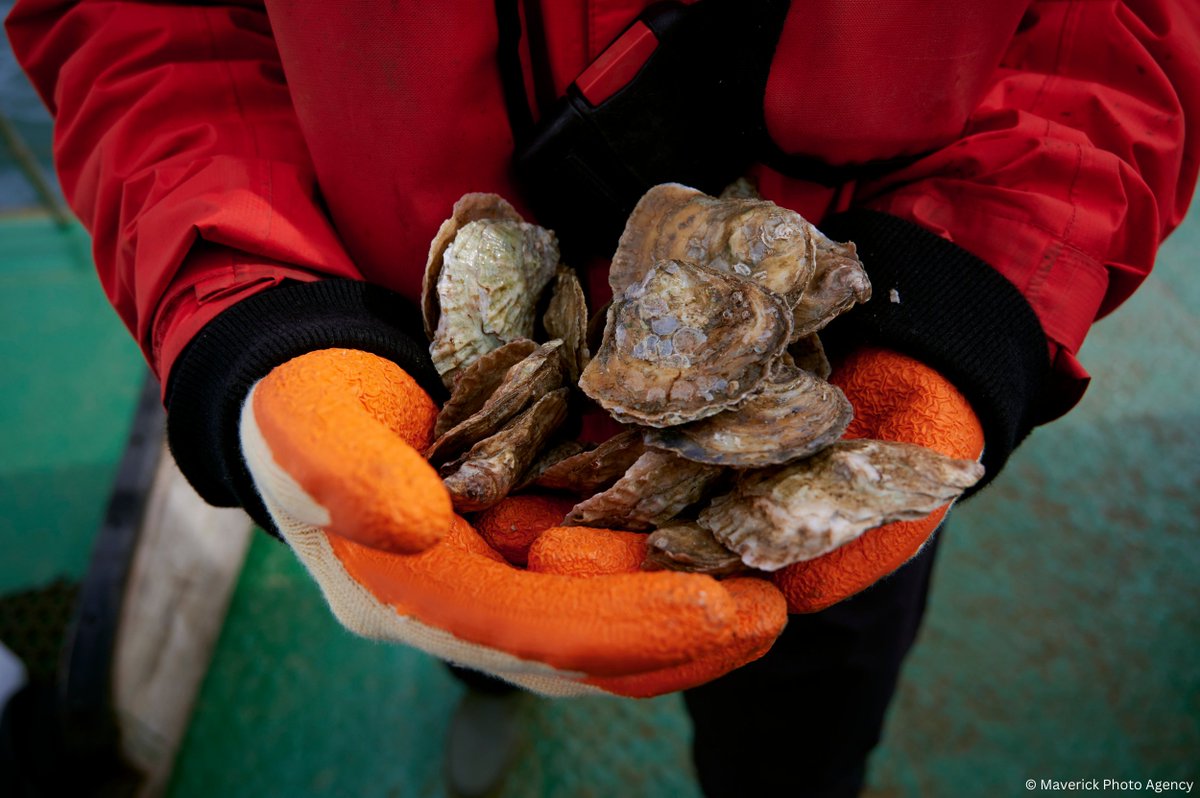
x,y
217,150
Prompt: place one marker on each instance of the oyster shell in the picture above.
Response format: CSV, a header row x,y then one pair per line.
x,y
753,238
494,465
653,491
595,328
567,318
469,208
808,353
537,374
490,278
779,516
789,416
684,343
692,548
837,284
742,188
587,472
479,381
554,453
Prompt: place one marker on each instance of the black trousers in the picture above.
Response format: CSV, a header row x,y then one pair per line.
x,y
802,720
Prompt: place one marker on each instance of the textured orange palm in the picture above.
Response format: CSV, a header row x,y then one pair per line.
x,y
895,398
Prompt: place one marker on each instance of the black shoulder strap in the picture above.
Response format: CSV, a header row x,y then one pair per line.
x,y
508,57
688,109
677,97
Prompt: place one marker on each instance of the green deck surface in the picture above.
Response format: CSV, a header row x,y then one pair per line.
x,y
71,375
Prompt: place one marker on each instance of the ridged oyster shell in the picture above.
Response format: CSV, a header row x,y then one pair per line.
x,y
753,238
585,473
687,546
494,465
837,284
778,248
469,208
651,492
567,318
537,374
808,353
683,343
792,415
488,272
776,517
553,453
478,381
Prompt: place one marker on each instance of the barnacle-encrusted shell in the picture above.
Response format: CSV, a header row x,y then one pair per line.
x,y
690,547
479,381
779,516
837,284
469,208
773,246
491,277
585,473
494,465
684,343
537,374
653,491
789,416
567,318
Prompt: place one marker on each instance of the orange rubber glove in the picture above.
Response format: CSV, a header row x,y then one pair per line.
x,y
332,441
895,398
340,427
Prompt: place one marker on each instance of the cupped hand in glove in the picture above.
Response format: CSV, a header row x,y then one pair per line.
x,y
329,439
332,441
895,398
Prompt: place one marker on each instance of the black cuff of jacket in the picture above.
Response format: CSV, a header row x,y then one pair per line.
x,y
216,370
940,304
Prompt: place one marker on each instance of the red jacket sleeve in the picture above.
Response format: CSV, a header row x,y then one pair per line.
x,y
177,146
1080,159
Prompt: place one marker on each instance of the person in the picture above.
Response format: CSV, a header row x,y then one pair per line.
x,y
262,185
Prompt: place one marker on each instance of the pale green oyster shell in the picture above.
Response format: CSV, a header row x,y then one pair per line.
x,y
488,284
473,207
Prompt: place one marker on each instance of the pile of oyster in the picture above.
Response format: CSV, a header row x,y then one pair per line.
x,y
730,453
